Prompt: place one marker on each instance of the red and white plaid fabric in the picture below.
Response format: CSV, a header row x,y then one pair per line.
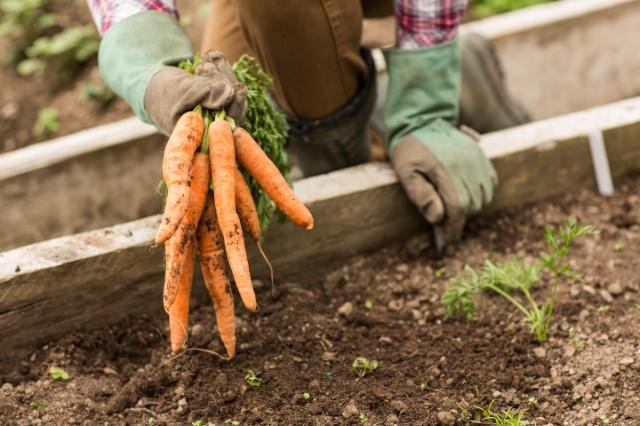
x,y
424,23
107,13
420,23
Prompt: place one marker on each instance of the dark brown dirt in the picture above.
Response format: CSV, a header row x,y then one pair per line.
x,y
22,97
305,340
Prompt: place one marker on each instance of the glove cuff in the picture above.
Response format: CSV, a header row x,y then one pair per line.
x,y
424,86
135,49
341,139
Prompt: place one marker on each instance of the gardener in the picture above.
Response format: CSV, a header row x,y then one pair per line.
x,y
325,82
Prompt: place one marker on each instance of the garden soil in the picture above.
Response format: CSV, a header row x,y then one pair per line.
x,y
385,306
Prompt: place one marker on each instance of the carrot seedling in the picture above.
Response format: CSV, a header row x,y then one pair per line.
x,y
252,379
577,342
514,276
57,373
508,417
362,366
38,404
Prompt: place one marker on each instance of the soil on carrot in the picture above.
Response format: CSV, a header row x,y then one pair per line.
x,y
22,97
384,306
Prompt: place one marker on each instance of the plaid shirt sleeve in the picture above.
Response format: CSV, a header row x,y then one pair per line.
x,y
107,13
425,23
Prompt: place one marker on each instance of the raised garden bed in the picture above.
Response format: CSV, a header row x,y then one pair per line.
x,y
432,367
98,291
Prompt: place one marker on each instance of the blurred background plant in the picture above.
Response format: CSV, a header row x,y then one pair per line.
x,y
37,41
22,22
483,8
65,52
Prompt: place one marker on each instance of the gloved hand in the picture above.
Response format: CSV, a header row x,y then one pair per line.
x,y
443,170
138,59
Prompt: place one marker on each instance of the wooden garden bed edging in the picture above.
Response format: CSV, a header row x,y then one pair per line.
x,y
99,277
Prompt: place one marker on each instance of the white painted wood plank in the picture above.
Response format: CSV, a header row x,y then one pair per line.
x,y
57,150
537,16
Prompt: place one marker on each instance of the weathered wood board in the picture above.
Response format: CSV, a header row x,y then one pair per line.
x,y
75,183
570,55
115,271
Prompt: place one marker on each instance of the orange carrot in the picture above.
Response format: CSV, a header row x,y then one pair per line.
x,y
247,208
249,218
178,244
212,265
256,162
179,310
223,167
176,163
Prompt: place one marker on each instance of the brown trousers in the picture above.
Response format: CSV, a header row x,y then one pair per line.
x,y
310,47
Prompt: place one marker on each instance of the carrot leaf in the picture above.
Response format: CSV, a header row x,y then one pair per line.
x,y
267,125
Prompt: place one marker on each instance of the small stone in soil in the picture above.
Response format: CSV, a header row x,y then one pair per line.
x,y
197,330
392,420
615,289
329,356
540,352
346,309
606,296
350,410
398,406
446,418
626,361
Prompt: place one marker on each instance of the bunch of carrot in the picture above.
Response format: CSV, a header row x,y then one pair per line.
x,y
208,205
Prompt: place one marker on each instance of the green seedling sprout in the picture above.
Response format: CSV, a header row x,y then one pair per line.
x,y
47,122
363,418
57,373
368,304
232,422
362,366
252,379
577,343
514,276
38,404
508,417
306,396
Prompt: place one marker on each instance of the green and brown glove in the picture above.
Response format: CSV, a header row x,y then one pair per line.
x,y
138,59
443,170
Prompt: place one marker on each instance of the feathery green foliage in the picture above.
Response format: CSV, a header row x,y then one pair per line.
x,y
514,276
267,125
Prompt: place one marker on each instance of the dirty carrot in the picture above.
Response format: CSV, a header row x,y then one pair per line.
x,y
256,162
249,219
176,163
176,246
179,310
212,265
246,208
223,167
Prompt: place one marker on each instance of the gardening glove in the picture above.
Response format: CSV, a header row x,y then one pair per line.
x,y
442,169
138,59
